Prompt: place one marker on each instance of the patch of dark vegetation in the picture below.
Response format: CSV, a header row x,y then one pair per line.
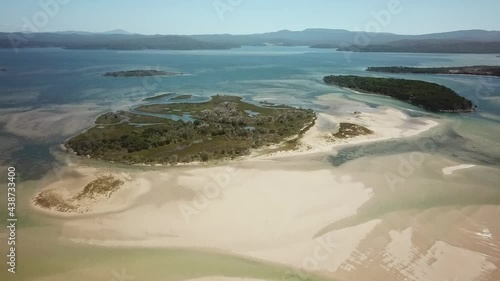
x,y
467,70
140,73
349,130
102,186
157,97
221,129
430,96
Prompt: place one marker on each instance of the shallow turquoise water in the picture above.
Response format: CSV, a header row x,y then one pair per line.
x,y
280,74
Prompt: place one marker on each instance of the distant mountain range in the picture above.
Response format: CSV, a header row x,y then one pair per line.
x,y
465,41
115,31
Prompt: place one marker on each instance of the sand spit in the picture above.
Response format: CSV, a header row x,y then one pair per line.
x,y
258,209
386,124
449,170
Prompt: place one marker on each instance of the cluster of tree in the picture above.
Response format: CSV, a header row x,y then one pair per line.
x,y
430,96
139,73
224,131
469,70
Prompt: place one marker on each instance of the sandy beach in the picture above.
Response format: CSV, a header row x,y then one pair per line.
x,y
283,208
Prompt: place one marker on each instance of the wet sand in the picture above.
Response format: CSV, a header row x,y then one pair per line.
x,y
378,217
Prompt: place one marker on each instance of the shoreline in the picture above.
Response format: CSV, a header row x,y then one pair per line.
x,y
387,124
296,199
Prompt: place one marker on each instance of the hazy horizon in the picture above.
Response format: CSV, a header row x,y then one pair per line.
x,y
119,30
248,17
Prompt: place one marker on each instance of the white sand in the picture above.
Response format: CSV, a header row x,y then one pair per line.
x,y
446,262
449,170
257,210
386,123
270,210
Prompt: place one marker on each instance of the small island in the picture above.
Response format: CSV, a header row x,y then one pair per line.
x,y
182,97
430,96
3,69
350,130
159,96
485,70
140,73
224,127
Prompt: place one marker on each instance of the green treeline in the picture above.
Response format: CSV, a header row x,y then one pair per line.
x,y
468,70
430,96
220,128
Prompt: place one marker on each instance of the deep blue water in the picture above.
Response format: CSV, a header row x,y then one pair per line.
x,y
37,78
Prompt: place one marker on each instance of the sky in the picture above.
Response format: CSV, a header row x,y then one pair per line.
x,y
248,16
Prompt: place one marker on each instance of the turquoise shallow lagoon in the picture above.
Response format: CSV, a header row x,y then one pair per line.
x,y
52,81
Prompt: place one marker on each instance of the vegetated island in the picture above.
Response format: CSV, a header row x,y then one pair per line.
x,y
182,97
157,97
467,70
223,128
350,130
430,96
140,73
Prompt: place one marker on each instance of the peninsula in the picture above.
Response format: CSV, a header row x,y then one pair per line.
x,y
430,96
485,70
223,128
141,73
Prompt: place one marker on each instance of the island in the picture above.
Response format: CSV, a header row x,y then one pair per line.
x,y
485,70
350,130
140,73
182,97
224,127
157,97
430,96
3,69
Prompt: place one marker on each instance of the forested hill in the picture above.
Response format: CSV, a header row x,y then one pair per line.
x,y
465,41
430,96
429,46
108,41
487,70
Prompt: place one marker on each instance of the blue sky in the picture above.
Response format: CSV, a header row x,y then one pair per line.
x,y
247,16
